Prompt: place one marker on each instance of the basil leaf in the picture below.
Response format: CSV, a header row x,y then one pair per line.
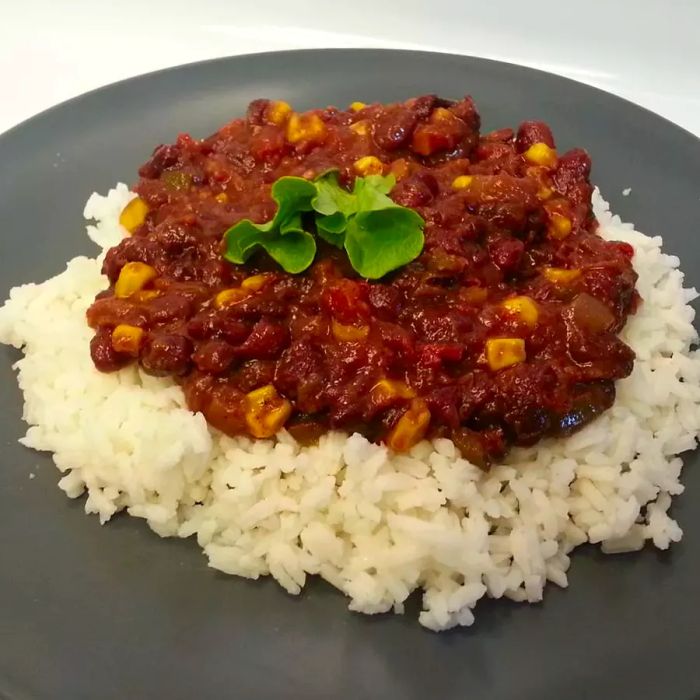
x,y
380,241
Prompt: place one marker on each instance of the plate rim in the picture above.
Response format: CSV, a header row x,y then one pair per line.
x,y
94,92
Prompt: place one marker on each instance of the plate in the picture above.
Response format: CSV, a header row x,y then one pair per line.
x,y
117,611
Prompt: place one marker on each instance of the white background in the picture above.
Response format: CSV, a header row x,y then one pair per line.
x,y
645,50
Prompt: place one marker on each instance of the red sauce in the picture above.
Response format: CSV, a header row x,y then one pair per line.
x,y
325,339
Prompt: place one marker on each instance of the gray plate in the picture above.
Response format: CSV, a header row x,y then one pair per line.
x,y
116,612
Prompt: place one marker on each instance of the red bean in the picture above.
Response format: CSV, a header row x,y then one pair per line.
x,y
255,116
169,308
571,176
131,249
415,191
215,324
471,446
165,156
225,409
174,238
507,253
202,326
265,341
422,106
110,311
231,329
253,374
533,132
103,354
214,356
466,110
394,129
165,353
269,145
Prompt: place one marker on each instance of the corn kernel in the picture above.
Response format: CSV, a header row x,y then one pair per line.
x,y
369,165
560,275
255,283
127,339
357,106
524,308
146,294
360,128
386,389
230,296
221,198
462,182
133,277
262,394
266,411
307,127
441,114
278,112
541,154
410,429
348,334
560,226
544,193
133,214
504,352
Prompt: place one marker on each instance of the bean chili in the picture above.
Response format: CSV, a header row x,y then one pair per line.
x,y
503,331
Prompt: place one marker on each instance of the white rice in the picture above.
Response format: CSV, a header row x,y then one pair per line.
x,y
375,525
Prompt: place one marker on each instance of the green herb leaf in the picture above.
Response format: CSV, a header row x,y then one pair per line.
x,y
283,237
331,198
294,251
371,192
334,206
292,195
332,228
378,234
380,241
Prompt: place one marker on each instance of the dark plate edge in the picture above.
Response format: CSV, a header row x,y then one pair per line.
x,y
72,101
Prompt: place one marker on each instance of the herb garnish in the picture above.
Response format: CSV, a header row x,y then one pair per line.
x,y
378,235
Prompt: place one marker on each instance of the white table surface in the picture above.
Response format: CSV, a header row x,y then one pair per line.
x,y
645,50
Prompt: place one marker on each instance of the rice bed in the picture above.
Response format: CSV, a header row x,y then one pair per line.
x,y
373,524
